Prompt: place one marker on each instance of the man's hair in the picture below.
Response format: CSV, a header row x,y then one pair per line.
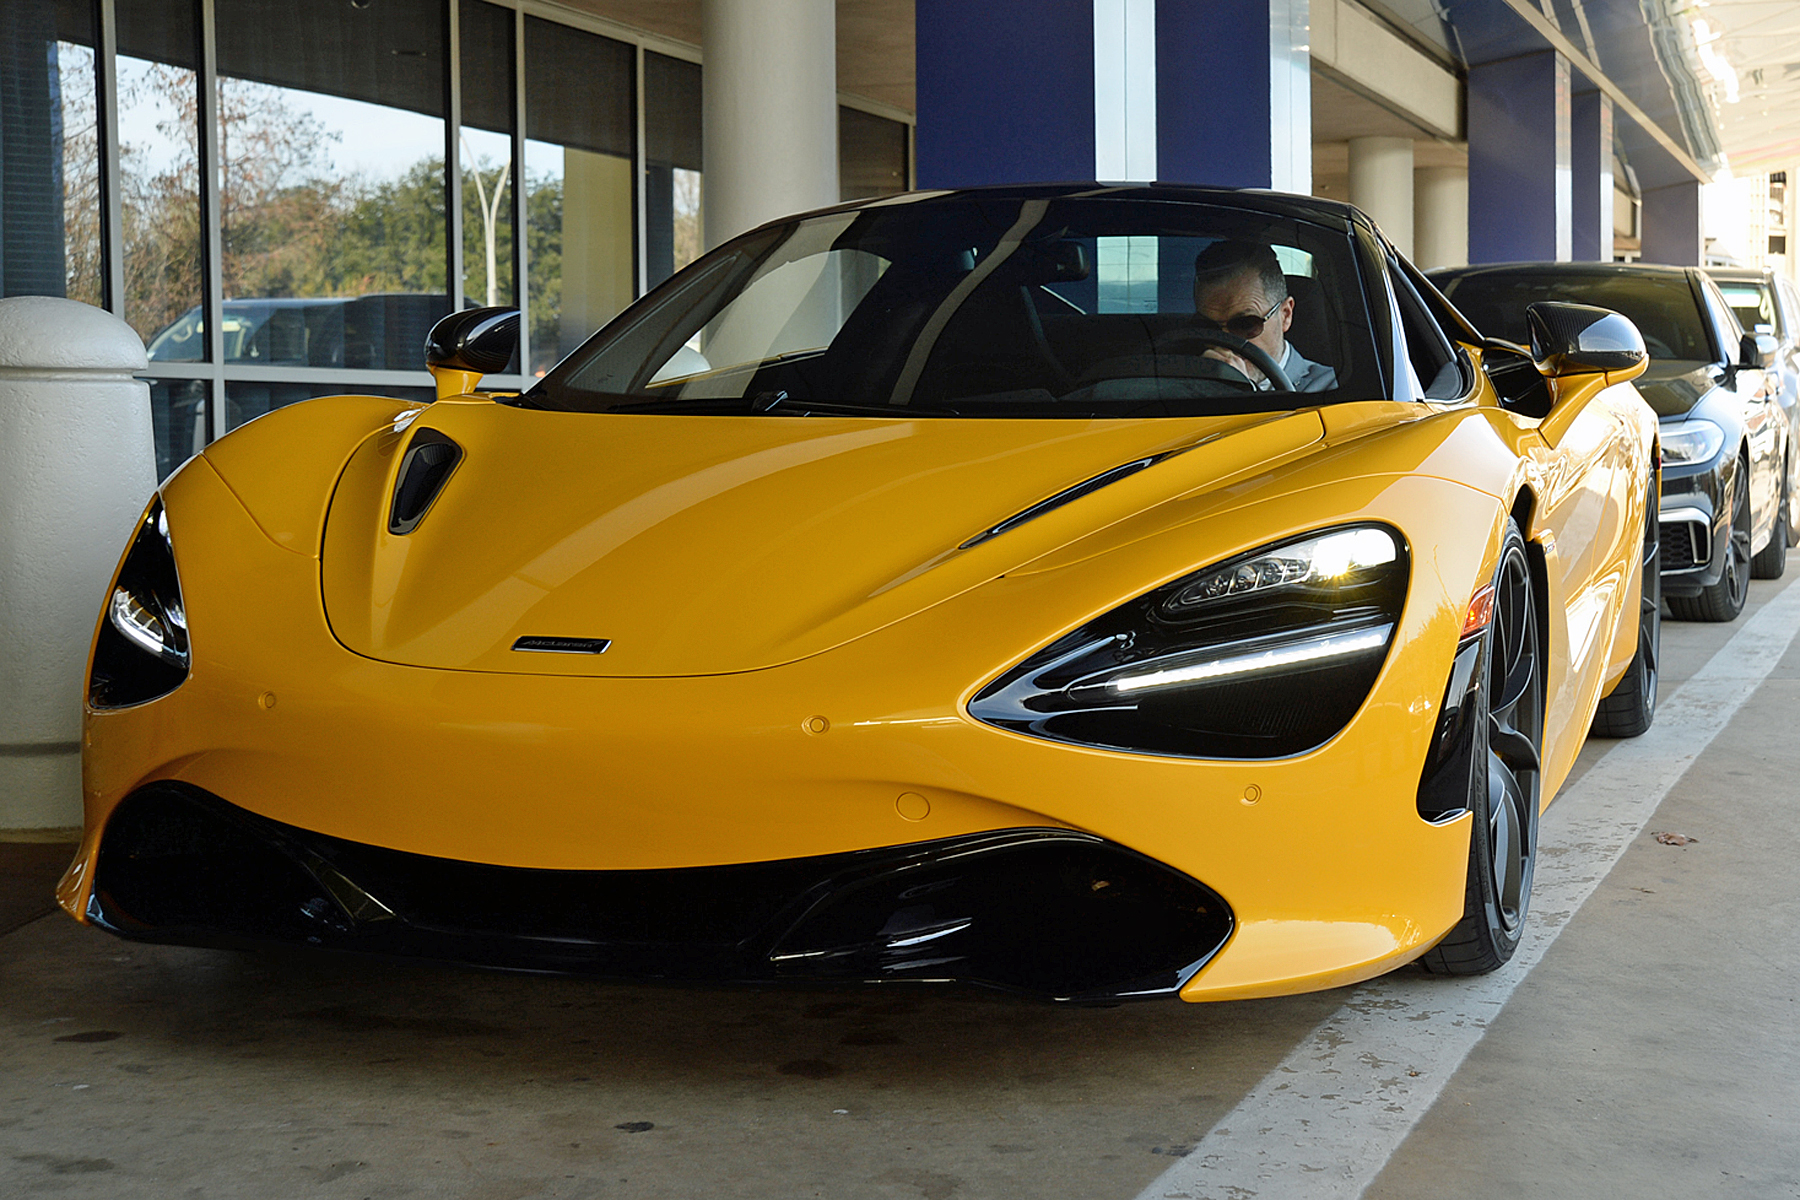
x,y
1223,261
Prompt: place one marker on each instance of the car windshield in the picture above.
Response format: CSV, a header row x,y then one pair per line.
x,y
1751,301
1075,306
1662,306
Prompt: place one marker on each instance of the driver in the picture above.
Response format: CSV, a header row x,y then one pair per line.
x,y
1239,288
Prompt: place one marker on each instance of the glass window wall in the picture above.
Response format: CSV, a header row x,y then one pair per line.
x,y
672,230
872,155
257,396
284,226
178,410
580,143
159,175
50,235
331,183
489,117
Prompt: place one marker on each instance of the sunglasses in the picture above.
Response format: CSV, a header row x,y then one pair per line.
x,y
1248,326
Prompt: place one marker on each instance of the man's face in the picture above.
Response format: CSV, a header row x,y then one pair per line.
x,y
1242,295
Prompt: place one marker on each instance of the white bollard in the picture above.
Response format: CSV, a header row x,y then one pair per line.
x,y
77,466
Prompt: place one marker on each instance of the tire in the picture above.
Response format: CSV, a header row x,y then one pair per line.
x,y
1630,707
1772,562
1504,779
1724,600
1791,492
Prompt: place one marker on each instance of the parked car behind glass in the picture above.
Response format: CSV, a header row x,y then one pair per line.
x,y
382,331
1725,440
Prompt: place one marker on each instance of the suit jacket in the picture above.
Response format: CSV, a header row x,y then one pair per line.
x,y
1306,375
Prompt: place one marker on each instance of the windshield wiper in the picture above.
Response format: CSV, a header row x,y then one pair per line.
x,y
783,404
778,404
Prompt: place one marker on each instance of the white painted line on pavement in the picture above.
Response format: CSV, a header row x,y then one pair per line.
x,y
1323,1124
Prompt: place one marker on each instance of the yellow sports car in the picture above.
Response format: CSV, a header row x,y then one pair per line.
x,y
1085,591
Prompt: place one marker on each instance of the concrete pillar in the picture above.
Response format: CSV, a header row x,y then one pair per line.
x,y
1591,177
1671,219
1440,217
1184,91
1381,184
768,112
1519,160
77,467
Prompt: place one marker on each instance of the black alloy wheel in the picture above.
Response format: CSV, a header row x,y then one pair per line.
x,y
1772,562
1505,779
1628,709
1724,600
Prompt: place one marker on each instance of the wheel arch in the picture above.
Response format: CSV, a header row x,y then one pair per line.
x,y
1524,507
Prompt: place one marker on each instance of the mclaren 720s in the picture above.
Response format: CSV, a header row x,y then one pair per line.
x,y
1085,591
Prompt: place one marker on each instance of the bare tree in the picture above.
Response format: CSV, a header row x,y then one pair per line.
x,y
80,173
490,216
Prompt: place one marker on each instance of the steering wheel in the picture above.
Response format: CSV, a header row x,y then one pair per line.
x,y
1258,357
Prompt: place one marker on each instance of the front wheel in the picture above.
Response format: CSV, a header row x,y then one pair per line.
x,y
1772,562
1628,709
1791,494
1504,778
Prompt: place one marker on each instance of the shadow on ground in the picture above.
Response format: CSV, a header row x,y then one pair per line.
x,y
265,1073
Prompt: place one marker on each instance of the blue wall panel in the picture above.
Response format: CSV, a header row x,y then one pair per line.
x,y
1672,230
1519,194
1212,92
1005,91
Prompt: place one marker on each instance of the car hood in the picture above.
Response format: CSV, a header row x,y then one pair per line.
x,y
709,545
1672,387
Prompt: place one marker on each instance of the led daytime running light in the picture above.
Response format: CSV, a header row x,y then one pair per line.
x,y
1337,645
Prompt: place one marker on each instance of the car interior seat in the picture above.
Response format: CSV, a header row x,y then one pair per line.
x,y
1310,333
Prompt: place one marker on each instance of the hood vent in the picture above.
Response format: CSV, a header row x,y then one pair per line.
x,y
1065,496
423,472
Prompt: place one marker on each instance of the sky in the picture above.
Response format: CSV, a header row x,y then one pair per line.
x,y
367,138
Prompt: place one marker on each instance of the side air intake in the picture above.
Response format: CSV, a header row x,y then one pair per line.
x,y
429,461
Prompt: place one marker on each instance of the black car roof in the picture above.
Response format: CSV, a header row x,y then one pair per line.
x,y
1558,268
1743,274
1331,213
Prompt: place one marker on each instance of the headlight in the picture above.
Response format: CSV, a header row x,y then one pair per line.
x,y
1691,441
1264,656
142,651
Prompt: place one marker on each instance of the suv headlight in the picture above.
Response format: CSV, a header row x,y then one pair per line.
x,y
1264,656
1690,441
142,650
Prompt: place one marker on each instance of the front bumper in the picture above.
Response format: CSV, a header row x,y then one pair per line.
x,y
1046,912
1695,536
